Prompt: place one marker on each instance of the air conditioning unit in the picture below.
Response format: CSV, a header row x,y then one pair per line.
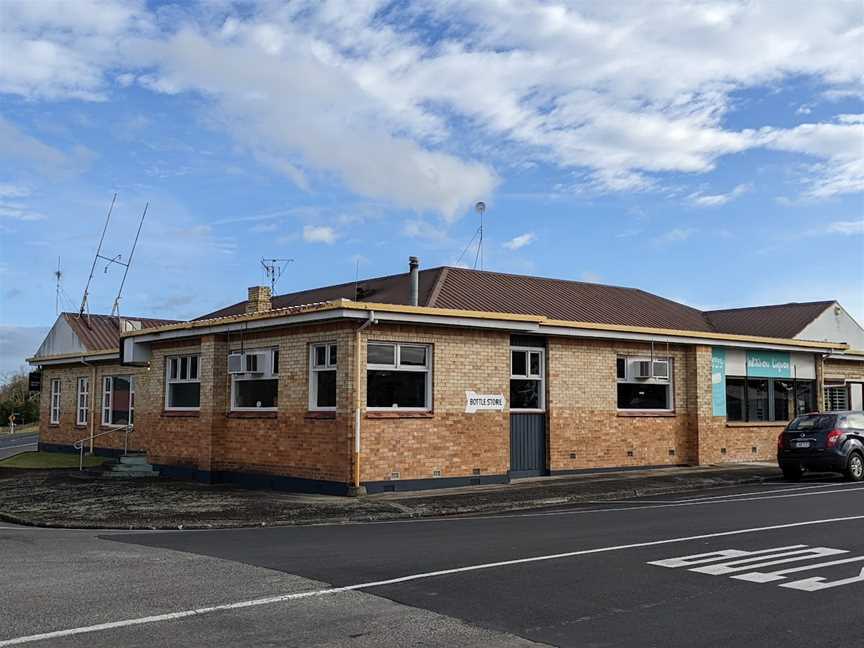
x,y
254,362
235,363
642,369
661,369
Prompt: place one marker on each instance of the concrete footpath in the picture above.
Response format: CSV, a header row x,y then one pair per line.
x,y
61,499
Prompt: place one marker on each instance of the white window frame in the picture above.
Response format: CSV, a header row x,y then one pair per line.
x,y
529,375
82,401
315,369
55,401
629,361
108,400
266,375
397,366
169,362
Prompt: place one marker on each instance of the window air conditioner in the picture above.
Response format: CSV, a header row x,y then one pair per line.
x,y
661,369
642,369
235,363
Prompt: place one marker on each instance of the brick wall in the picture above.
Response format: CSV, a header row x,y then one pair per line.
x,y
291,441
68,431
448,440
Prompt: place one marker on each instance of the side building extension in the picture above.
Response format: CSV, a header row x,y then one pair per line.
x,y
449,376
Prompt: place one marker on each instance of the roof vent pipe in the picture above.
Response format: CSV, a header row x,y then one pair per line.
x,y
414,289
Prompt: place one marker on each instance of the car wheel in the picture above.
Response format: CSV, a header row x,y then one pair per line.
x,y
855,467
792,473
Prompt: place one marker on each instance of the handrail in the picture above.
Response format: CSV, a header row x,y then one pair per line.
x,y
79,445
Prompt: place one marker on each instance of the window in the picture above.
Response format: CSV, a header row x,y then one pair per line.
x,y
83,399
183,385
118,400
322,377
836,398
527,390
398,376
638,393
55,401
259,390
768,399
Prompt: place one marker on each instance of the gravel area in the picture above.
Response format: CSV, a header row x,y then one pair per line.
x,y
61,498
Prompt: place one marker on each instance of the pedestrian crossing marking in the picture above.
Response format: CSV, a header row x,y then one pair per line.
x,y
732,562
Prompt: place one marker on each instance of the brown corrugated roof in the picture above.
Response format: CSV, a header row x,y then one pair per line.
x,y
464,289
392,289
102,332
777,320
564,300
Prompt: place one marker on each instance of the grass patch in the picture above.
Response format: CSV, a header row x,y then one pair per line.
x,y
46,460
20,430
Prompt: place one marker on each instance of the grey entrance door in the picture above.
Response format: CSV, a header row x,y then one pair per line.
x,y
527,444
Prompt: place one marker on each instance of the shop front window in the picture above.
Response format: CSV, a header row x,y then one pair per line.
x,y
768,399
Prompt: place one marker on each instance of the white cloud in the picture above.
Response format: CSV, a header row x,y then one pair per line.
x,y
716,200
520,241
9,190
319,234
422,229
676,235
621,91
846,227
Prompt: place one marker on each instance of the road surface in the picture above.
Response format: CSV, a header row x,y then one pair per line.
x,y
767,565
12,445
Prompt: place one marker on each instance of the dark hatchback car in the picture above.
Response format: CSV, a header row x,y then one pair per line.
x,y
823,442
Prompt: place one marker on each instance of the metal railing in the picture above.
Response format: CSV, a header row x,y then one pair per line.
x,y
79,445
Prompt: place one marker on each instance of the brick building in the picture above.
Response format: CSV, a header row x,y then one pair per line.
x,y
449,376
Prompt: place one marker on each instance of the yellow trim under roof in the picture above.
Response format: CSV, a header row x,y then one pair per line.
x,y
480,315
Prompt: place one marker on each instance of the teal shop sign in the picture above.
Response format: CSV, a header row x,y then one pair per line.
x,y
769,364
718,381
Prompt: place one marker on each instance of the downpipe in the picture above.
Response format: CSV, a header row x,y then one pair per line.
x,y
357,489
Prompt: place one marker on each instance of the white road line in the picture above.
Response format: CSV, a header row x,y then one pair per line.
x,y
26,445
648,505
183,614
762,492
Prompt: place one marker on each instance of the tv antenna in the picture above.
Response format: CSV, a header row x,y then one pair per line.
x,y
274,268
480,208
58,275
118,259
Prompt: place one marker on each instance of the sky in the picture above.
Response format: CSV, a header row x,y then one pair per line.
x,y
711,152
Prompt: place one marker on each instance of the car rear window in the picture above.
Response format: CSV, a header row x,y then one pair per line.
x,y
813,422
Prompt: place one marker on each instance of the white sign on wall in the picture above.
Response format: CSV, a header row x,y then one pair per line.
x,y
475,402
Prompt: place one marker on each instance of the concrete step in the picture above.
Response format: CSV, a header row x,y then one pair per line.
x,y
134,468
134,460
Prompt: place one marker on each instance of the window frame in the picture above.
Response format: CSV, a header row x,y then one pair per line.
x,y
85,408
797,384
108,400
55,401
397,366
329,365
169,360
529,375
245,377
669,382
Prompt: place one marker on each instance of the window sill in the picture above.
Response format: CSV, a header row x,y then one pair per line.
x,y
53,425
181,413
315,415
643,413
81,426
749,424
266,414
398,415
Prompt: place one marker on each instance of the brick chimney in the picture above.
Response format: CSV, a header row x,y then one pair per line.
x,y
259,299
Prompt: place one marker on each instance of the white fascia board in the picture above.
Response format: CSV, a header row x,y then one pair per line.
x,y
850,357
443,320
84,359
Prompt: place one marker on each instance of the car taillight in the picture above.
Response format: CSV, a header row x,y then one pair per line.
x,y
833,438
780,441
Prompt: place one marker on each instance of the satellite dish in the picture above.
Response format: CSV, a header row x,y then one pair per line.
x,y
480,207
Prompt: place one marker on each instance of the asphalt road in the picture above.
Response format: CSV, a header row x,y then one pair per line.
x,y
610,574
12,445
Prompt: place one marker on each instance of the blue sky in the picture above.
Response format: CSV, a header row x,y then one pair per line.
x,y
711,152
